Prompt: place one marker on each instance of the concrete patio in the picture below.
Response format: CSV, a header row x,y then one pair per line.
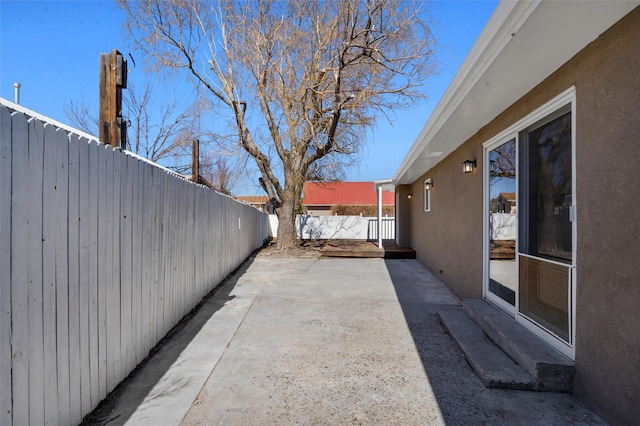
x,y
291,340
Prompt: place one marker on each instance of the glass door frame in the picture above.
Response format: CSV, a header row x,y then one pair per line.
x,y
489,146
568,97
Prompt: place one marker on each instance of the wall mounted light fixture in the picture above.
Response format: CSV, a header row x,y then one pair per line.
x,y
409,195
468,166
428,184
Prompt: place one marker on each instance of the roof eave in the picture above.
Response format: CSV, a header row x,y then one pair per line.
x,y
482,88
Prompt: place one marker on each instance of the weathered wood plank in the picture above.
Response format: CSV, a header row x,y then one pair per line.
x,y
147,301
118,372
126,252
168,249
61,146
115,310
189,247
20,268
158,268
5,267
103,263
179,210
202,229
75,386
186,237
166,244
181,213
35,278
92,218
137,267
200,250
107,228
49,315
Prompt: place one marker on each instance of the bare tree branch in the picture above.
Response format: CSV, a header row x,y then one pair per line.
x,y
302,79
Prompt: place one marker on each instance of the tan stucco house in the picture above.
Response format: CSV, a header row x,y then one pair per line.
x,y
547,105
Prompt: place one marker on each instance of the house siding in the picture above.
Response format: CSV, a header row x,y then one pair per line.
x,y
403,214
448,239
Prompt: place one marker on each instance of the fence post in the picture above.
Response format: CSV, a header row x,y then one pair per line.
x,y
113,78
195,160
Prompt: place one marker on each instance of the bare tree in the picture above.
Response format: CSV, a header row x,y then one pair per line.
x,y
81,117
221,173
302,79
161,135
156,135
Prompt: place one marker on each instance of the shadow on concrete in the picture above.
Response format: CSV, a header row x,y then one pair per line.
x,y
421,296
461,396
130,393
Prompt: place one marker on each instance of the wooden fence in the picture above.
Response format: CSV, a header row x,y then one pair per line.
x,y
101,254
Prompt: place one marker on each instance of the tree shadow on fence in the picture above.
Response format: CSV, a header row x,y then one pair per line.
x,y
122,402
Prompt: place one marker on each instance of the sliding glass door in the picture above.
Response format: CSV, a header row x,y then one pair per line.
x,y
529,222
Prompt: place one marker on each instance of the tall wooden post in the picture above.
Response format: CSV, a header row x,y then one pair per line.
x,y
113,78
195,160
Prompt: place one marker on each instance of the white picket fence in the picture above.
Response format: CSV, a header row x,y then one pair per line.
x,y
101,254
309,227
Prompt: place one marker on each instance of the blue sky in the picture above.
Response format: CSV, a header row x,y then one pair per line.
x,y
52,49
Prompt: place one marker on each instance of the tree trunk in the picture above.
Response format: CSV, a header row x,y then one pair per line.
x,y
287,235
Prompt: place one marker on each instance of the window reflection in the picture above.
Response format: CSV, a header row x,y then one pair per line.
x,y
546,221
502,221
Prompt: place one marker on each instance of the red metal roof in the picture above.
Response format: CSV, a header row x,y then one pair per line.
x,y
347,193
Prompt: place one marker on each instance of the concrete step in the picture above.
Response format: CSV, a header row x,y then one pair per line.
x,y
551,370
494,367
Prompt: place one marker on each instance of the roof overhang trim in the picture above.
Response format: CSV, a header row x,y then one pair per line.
x,y
503,65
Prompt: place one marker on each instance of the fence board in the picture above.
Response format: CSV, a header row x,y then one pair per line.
x,y
172,251
60,143
158,269
73,238
102,262
86,266
136,264
126,200
176,222
49,305
198,255
92,217
118,372
115,279
34,243
145,294
5,267
108,305
20,268
180,260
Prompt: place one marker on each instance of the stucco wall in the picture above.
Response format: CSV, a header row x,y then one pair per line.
x,y
606,75
448,238
403,214
608,193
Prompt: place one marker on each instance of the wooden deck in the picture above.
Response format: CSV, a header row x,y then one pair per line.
x,y
361,248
